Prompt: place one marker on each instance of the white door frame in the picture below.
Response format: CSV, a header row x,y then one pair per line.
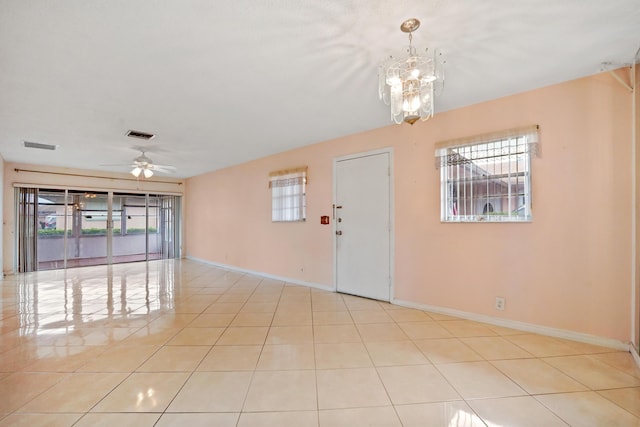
x,y
392,237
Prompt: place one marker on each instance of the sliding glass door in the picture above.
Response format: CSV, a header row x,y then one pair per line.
x,y
131,226
147,226
167,214
88,216
68,228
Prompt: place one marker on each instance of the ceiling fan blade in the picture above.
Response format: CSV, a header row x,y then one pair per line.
x,y
156,166
162,168
143,162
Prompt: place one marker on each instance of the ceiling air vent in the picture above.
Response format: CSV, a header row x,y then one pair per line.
x,y
39,146
141,135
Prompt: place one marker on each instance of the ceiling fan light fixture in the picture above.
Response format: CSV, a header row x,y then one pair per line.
x,y
142,165
408,85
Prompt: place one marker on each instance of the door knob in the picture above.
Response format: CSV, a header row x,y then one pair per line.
x,y
339,232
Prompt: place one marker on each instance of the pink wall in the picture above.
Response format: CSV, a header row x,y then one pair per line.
x,y
569,269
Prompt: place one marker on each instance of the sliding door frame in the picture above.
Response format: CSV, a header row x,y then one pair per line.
x,y
35,189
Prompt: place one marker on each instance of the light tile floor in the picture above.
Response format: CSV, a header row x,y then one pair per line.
x,y
175,343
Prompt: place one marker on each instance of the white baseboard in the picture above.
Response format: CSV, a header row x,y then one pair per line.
x,y
521,326
634,352
265,275
513,324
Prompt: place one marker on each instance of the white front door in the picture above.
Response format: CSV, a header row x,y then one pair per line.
x,y
363,225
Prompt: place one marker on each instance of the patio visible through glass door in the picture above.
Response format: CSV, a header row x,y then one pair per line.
x,y
72,229
76,228
134,236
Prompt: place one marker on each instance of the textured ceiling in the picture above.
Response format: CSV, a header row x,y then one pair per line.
x,y
224,82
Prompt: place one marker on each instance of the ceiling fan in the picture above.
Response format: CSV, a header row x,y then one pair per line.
x,y
145,166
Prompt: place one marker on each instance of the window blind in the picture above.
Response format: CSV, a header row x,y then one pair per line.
x,y
288,194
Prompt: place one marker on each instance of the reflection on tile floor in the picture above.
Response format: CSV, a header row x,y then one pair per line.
x,y
172,343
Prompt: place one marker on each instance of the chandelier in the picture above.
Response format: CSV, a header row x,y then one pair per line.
x,y
408,84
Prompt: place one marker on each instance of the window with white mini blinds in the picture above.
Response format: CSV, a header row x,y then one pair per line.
x,y
487,177
288,195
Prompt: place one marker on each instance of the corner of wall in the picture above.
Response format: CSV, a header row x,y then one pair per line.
x,y
2,190
635,290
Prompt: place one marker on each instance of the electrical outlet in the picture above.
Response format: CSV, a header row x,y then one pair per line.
x,y
500,302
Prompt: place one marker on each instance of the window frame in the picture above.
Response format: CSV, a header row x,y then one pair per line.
x,y
512,144
291,207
